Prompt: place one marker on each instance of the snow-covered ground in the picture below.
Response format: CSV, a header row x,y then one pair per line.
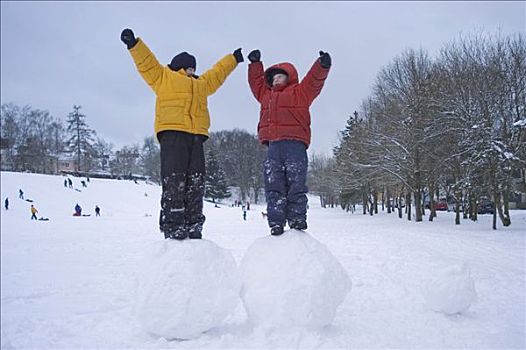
x,y
70,282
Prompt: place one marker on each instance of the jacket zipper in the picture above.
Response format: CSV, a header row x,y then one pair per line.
x,y
192,105
269,107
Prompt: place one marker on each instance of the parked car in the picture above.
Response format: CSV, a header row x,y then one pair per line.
x,y
485,206
441,205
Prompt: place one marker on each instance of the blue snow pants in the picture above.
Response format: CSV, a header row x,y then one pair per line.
x,y
285,182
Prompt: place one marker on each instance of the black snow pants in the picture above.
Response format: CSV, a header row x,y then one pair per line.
x,y
183,184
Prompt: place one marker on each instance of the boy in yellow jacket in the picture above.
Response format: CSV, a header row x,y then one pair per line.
x,y
34,212
181,126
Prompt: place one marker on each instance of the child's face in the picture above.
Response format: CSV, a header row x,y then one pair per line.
x,y
190,71
279,79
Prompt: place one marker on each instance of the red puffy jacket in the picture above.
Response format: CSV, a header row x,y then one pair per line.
x,y
284,111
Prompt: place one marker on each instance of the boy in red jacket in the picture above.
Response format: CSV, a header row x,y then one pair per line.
x,y
284,126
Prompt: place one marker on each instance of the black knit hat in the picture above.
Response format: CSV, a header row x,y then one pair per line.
x,y
183,60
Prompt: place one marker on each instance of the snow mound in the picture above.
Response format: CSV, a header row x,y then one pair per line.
x,y
186,288
292,280
451,291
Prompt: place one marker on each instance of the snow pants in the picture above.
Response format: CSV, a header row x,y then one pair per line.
x,y
183,184
285,182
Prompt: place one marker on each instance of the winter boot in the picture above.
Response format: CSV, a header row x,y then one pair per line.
x,y
194,230
298,225
276,230
177,233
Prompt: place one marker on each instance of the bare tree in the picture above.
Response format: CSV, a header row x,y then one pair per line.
x,y
150,159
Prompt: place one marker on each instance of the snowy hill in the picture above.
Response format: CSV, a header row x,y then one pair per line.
x,y
70,282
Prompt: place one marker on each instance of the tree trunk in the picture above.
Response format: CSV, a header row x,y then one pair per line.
x,y
364,202
408,205
423,204
495,199
464,206
418,206
472,207
458,198
388,195
399,200
432,201
432,211
375,202
506,219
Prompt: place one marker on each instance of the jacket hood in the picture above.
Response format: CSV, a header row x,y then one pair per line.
x,y
287,67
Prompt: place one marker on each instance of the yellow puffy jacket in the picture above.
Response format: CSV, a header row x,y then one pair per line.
x,y
181,102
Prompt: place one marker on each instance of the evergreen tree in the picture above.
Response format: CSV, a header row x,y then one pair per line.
x,y
81,138
215,181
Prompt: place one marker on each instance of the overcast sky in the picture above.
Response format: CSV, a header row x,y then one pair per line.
x,y
57,54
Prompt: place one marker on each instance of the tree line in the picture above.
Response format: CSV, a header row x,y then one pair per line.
x,y
33,140
453,126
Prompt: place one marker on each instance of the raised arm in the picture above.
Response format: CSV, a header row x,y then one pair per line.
x,y
315,78
256,78
216,76
147,64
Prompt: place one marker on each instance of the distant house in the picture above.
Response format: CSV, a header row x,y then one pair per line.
x,y
66,164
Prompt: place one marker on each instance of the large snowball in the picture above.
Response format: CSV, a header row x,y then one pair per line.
x,y
292,280
186,288
451,290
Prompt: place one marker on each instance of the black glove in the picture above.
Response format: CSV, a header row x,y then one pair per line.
x,y
325,59
128,38
238,55
254,56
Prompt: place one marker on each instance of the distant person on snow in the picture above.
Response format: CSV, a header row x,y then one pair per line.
x,y
284,126
34,212
181,126
6,203
70,183
65,183
97,210
78,210
20,194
